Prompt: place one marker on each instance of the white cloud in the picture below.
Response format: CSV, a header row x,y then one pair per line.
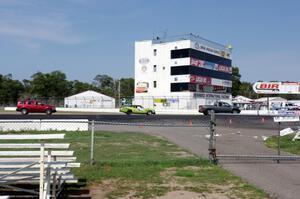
x,y
32,24
45,29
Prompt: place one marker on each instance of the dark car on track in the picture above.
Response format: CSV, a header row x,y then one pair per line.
x,y
218,107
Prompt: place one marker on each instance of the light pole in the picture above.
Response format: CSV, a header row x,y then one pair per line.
x,y
119,92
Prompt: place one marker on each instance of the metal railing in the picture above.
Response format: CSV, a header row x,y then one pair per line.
x,y
217,137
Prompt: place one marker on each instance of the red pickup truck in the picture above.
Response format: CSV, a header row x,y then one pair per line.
x,y
33,106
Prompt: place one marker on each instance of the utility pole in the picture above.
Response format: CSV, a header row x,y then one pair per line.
x,y
119,92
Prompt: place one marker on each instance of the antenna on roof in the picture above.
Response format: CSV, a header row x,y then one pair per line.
x,y
165,33
161,35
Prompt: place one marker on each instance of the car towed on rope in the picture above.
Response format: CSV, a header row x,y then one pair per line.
x,y
136,109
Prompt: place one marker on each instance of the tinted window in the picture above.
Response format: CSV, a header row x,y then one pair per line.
x,y
194,70
180,53
226,104
177,87
188,52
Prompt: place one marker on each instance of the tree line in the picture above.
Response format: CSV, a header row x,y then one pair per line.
x,y
56,85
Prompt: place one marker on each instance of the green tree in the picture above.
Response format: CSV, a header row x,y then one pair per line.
x,y
10,90
236,82
246,90
78,87
59,84
105,84
127,87
52,84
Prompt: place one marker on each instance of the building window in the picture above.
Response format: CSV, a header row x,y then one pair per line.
x,y
179,87
193,70
154,52
154,68
154,84
188,52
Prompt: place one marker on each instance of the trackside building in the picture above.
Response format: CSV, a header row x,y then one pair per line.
x,y
181,72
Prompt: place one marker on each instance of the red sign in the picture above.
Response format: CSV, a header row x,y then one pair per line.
x,y
142,87
225,69
197,62
267,86
200,80
276,87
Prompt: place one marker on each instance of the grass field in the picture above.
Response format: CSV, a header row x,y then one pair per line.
x,y
286,143
135,165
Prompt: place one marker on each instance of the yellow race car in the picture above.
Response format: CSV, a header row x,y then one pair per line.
x,y
136,109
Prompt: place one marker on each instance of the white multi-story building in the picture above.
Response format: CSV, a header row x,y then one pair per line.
x,y
181,72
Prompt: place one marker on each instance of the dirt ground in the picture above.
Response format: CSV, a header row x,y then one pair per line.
x,y
100,192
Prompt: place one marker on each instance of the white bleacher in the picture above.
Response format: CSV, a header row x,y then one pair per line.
x,y
46,166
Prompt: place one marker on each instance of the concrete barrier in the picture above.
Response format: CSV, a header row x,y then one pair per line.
x,y
44,125
177,112
10,108
95,110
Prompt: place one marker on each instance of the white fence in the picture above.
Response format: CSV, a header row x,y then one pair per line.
x,y
44,125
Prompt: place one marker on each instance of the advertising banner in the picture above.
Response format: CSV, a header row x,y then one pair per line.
x,y
277,87
221,82
211,50
210,65
142,87
200,80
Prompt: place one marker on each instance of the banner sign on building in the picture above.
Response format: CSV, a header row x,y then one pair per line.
x,y
210,65
142,87
200,80
221,82
277,87
219,52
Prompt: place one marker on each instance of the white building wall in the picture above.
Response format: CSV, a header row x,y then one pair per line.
x,y
145,76
145,61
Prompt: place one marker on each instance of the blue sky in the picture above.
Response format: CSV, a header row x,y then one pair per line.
x,y
84,38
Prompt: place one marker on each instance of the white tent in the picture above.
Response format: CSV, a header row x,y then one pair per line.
x,y
271,99
271,102
89,99
242,99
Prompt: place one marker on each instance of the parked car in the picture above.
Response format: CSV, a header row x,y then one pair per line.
x,y
136,109
287,107
33,106
291,106
218,107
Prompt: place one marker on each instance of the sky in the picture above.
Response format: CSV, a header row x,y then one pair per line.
x,y
83,38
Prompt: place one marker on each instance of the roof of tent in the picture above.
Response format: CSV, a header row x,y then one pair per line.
x,y
271,99
89,95
242,99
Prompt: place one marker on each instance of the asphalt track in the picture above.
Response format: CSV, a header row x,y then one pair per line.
x,y
224,120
